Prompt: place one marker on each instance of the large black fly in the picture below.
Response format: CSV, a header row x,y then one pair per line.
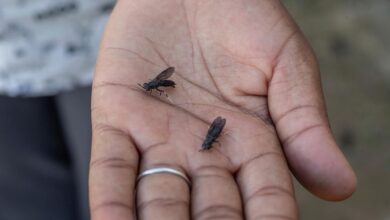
x,y
161,80
213,133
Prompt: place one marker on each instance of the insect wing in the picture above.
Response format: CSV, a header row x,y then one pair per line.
x,y
220,123
166,73
217,126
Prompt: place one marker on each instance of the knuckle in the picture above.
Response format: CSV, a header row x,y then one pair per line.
x,y
99,128
113,163
211,171
297,111
112,206
274,217
291,138
218,212
256,158
161,203
272,190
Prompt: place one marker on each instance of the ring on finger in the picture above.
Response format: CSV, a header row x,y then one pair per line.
x,y
167,170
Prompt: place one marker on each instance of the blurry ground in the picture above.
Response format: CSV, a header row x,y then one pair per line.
x,y
351,39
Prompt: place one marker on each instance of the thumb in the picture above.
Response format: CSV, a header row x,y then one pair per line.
x,y
297,108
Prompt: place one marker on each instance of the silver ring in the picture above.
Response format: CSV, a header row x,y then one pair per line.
x,y
164,170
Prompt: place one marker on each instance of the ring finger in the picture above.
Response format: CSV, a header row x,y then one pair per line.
x,y
162,195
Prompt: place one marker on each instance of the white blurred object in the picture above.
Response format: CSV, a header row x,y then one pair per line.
x,y
49,46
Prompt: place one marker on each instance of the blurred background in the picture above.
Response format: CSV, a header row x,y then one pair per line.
x,y
351,39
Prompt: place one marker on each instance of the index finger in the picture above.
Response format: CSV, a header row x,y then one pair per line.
x,y
266,187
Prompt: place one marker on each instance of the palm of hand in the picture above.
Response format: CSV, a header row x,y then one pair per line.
x,y
233,59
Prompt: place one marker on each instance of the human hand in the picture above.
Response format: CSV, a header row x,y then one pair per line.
x,y
246,61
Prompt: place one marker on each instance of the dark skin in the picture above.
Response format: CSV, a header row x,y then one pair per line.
x,y
243,59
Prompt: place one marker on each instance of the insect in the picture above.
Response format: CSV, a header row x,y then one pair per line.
x,y
161,80
213,133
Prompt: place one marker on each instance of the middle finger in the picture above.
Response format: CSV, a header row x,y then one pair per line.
x,y
215,194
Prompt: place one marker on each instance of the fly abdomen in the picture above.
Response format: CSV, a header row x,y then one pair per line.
x,y
167,83
207,143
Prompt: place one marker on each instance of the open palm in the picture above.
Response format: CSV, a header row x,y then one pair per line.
x,y
245,61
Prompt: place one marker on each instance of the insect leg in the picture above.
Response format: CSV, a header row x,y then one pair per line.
x,y
162,92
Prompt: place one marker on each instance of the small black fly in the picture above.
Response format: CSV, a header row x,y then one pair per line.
x,y
161,80
213,133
